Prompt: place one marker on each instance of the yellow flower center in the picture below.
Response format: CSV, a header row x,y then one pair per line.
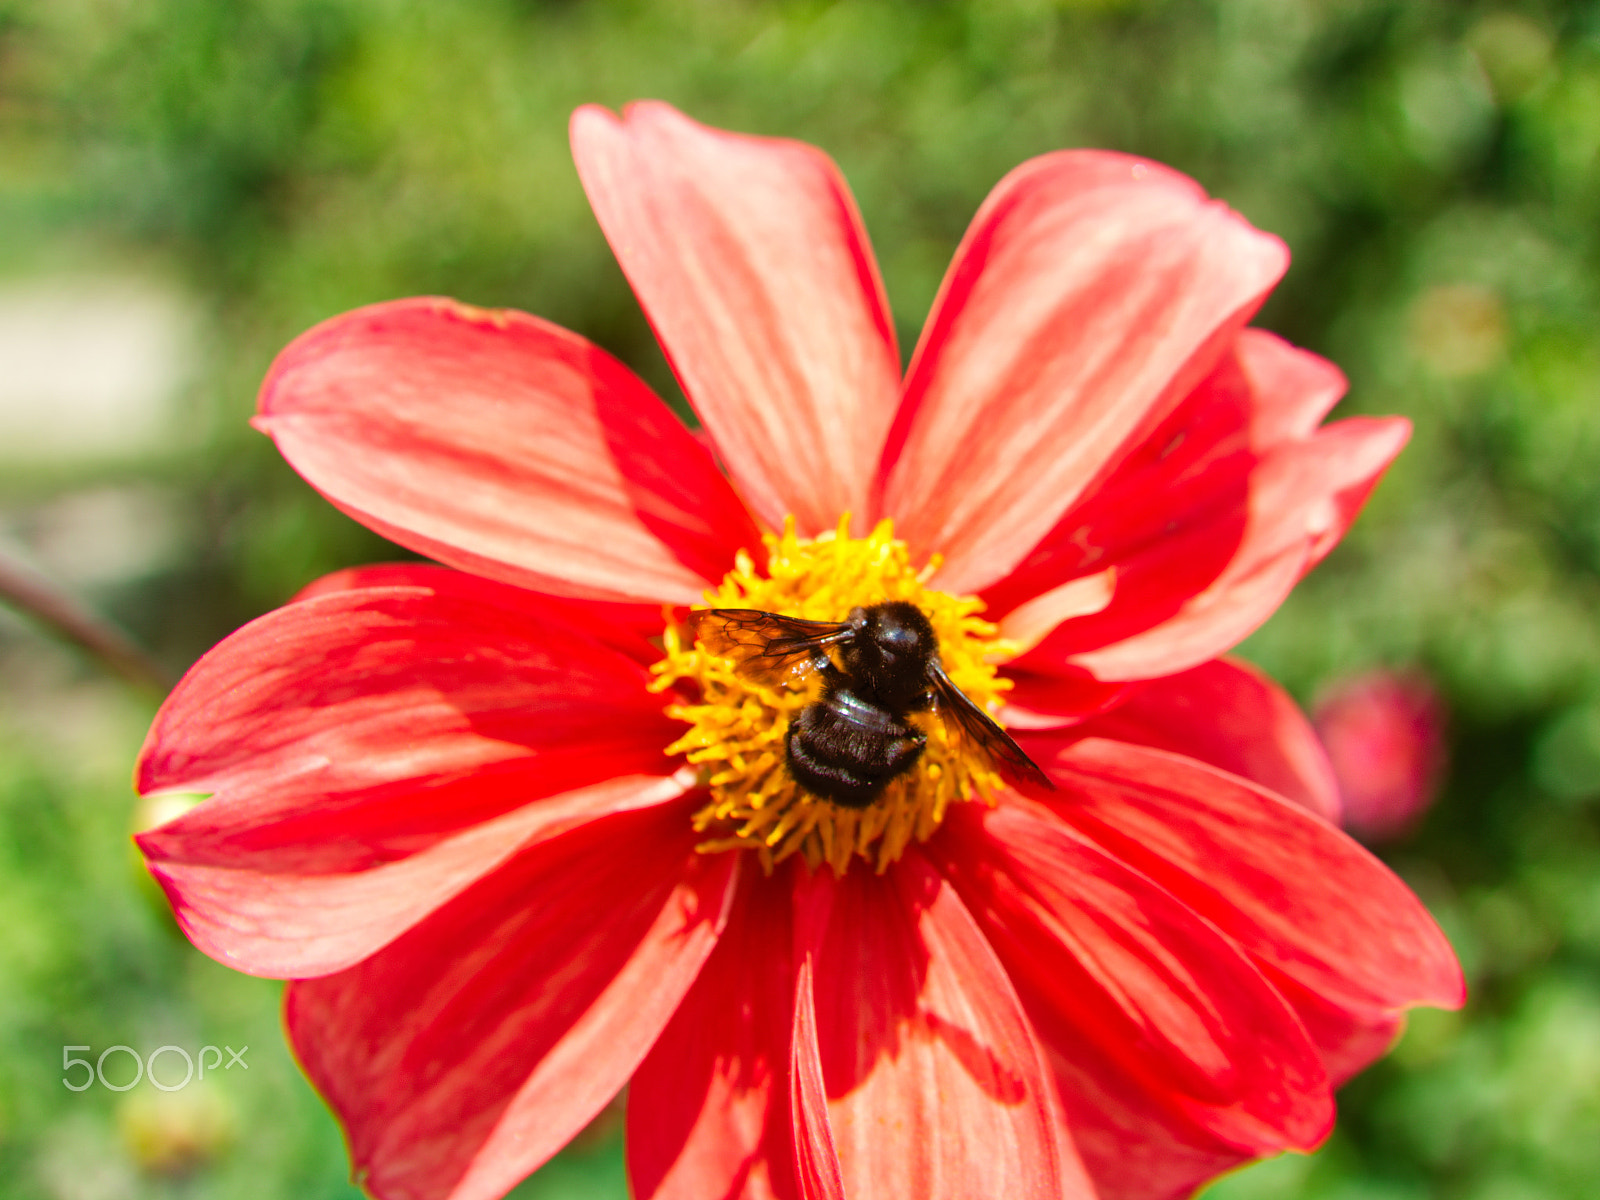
x,y
737,729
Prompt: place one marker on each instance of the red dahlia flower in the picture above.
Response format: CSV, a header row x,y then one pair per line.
x,y
517,841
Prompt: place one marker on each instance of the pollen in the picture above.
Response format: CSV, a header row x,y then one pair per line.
x,y
737,725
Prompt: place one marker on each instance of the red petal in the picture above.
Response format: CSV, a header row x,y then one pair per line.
x,y
1231,715
1349,1039
500,443
1291,389
1091,294
1063,697
1201,531
468,1052
709,1114
1133,1146
370,753
751,262
816,1161
625,627
936,1086
1161,527
1296,893
1102,956
1302,498
288,923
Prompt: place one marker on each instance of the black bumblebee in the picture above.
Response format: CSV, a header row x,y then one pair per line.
x,y
855,739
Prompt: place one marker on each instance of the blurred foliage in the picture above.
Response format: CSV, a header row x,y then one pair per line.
x,y
1433,164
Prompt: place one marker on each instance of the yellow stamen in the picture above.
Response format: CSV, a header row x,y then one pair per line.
x,y
737,726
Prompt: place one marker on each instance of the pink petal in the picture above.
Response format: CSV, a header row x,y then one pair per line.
x,y
1303,496
936,1087
502,444
816,1161
469,1051
751,262
1102,956
1297,894
709,1110
1232,716
1092,292
371,752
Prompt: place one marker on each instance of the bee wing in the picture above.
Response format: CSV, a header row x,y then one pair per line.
x,y
956,708
767,647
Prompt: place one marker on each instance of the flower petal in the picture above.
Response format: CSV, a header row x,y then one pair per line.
x,y
921,1034
816,1161
1031,621
469,1051
1102,956
1066,696
1297,894
505,445
1291,389
1134,1146
372,752
1301,501
1161,527
284,923
1349,1039
1202,530
709,1113
625,627
1302,498
1090,295
751,262
1231,715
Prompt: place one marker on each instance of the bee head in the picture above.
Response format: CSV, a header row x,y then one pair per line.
x,y
893,642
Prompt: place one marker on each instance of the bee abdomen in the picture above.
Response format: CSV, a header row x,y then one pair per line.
x,y
846,750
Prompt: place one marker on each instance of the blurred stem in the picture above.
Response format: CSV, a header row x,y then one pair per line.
x,y
30,591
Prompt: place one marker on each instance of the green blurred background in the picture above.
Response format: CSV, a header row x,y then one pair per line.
x,y
187,184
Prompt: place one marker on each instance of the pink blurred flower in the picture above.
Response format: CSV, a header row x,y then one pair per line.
x,y
1384,733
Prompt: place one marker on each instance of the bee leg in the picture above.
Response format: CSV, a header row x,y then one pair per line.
x,y
823,666
900,753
